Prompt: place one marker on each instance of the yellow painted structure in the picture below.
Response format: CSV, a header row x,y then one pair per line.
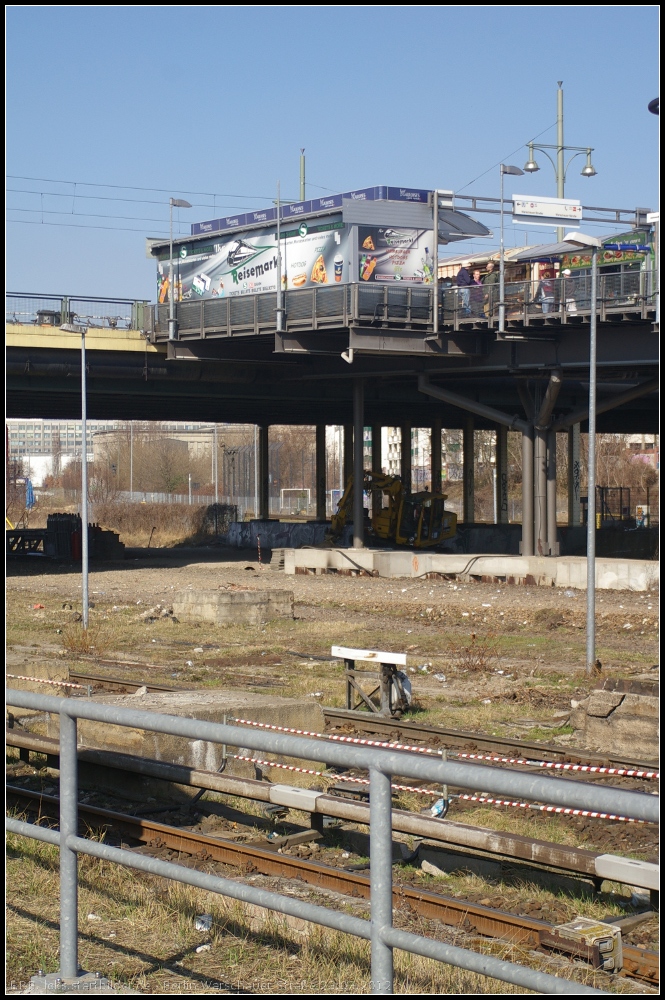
x,y
22,335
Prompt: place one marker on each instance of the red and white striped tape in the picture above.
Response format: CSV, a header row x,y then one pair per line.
x,y
555,765
42,680
341,777
561,810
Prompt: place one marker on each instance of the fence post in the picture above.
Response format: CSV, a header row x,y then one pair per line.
x,y
68,860
381,879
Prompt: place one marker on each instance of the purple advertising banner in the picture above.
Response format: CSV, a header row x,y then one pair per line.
x,y
295,209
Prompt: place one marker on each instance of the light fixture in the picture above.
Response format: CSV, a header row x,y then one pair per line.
x,y
81,330
515,172
589,170
586,242
173,326
531,166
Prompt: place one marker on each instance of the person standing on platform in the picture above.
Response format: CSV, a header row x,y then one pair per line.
x,y
490,279
463,281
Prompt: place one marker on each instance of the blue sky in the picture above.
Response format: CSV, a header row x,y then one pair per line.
x,y
212,104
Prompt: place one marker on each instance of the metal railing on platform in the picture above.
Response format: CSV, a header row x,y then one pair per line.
x,y
381,764
27,309
528,303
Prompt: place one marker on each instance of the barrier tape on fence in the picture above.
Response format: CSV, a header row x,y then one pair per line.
x,y
340,777
561,810
334,737
559,766
591,768
42,680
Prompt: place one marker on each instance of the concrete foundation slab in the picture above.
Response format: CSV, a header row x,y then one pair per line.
x,y
232,606
209,705
548,571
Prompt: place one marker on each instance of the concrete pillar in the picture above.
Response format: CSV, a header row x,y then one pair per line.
x,y
377,496
406,457
468,452
501,473
320,472
358,463
264,474
540,492
574,475
348,452
435,448
552,544
526,548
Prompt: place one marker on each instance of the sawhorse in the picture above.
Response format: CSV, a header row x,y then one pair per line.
x,y
389,696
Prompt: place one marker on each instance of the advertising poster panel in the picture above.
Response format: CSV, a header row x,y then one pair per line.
x,y
395,254
313,253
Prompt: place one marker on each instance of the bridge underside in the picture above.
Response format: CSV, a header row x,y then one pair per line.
x,y
244,379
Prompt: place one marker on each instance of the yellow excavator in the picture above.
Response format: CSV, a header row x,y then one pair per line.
x,y
419,520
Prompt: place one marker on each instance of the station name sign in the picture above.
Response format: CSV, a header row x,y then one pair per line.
x,y
542,211
297,209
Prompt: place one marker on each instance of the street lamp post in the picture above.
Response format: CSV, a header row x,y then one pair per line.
x,y
82,330
173,326
516,172
593,244
560,170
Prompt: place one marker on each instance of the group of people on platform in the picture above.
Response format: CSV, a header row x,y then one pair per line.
x,y
477,295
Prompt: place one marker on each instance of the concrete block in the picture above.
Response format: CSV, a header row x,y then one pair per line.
x,y
211,706
234,606
602,703
294,798
642,874
620,721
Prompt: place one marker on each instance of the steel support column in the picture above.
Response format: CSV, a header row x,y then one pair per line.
x,y
406,456
358,463
526,547
574,475
320,472
435,460
540,491
264,474
348,453
501,472
552,543
377,497
468,513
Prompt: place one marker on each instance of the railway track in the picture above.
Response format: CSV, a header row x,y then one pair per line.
x,y
407,731
453,739
484,920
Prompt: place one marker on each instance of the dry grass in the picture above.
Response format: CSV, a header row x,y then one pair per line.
x,y
145,937
480,653
96,640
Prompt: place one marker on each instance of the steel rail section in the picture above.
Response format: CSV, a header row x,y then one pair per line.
x,y
479,840
555,791
365,722
518,929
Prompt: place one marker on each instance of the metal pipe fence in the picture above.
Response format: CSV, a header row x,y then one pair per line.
x,y
91,311
381,763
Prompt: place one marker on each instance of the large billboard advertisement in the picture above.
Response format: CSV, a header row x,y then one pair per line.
x,y
314,252
395,254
